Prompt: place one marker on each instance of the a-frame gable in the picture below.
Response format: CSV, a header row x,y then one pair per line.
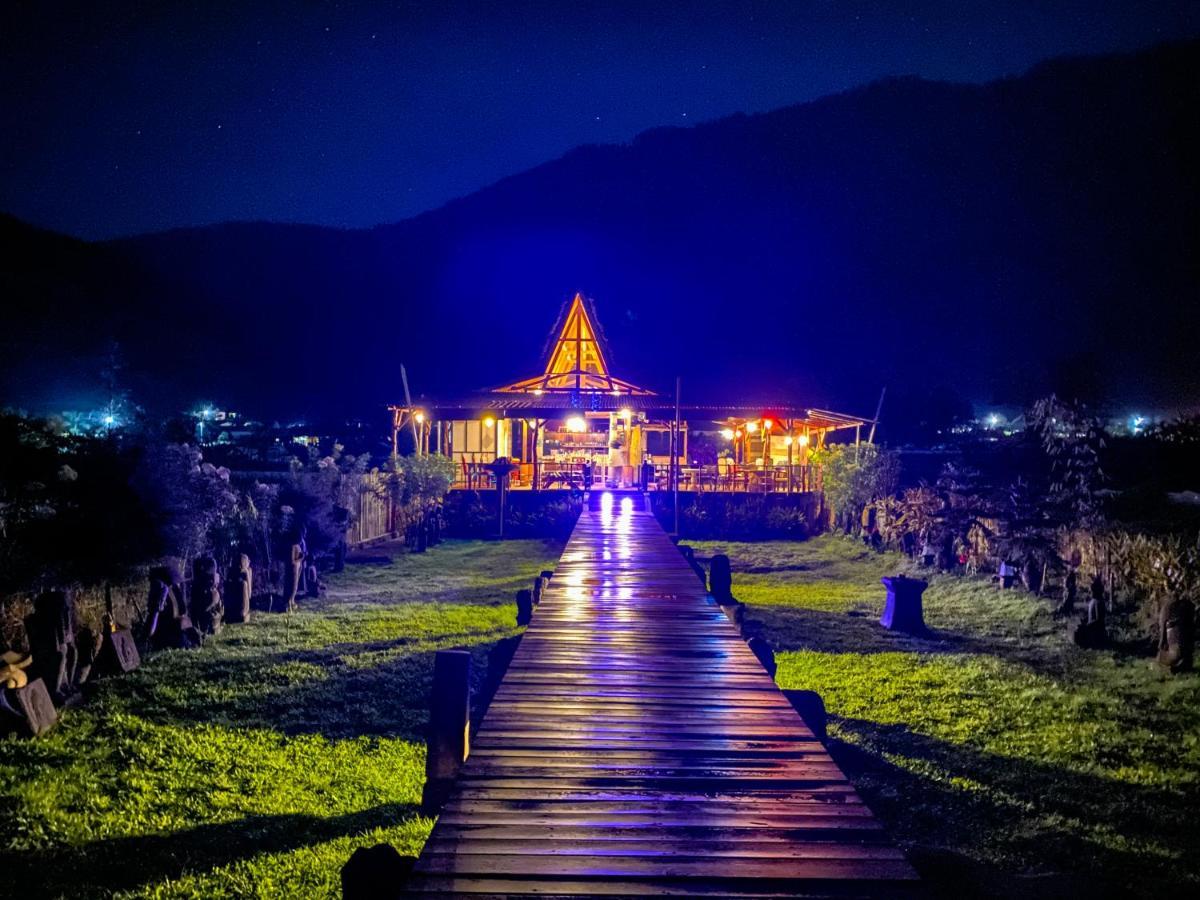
x,y
576,361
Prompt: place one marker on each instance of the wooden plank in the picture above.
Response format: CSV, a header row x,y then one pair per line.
x,y
636,747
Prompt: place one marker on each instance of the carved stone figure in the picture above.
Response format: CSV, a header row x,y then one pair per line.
x,y
170,624
1070,592
51,630
293,568
239,586
206,595
1176,635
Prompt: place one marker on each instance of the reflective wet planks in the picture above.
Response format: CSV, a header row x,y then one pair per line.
x,y
637,748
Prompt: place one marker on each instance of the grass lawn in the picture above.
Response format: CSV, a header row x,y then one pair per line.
x,y
255,766
1006,761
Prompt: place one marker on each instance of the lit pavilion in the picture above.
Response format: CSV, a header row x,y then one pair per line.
x,y
577,425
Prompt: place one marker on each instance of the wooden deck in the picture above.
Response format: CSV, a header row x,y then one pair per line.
x,y
636,747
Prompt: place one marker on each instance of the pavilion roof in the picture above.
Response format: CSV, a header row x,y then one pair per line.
x,y
576,358
577,379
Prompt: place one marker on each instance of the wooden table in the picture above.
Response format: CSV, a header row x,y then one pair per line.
x,y
637,748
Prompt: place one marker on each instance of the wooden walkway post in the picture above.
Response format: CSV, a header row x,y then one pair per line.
x,y
449,726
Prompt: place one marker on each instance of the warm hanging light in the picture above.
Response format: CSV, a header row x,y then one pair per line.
x,y
626,414
488,421
420,417
727,433
576,424
537,392
768,424
787,441
802,440
751,427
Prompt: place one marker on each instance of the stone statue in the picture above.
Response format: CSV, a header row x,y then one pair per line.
x,y
206,595
239,587
51,630
293,568
170,624
1091,632
1176,635
1070,592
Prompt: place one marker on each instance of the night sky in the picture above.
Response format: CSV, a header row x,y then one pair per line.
x,y
118,120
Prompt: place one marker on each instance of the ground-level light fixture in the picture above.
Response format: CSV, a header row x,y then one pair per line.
x,y
576,424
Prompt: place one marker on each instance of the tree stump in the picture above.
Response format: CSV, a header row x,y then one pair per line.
x,y
547,574
449,726
539,585
902,610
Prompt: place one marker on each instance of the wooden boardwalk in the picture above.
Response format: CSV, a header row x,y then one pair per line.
x,y
636,747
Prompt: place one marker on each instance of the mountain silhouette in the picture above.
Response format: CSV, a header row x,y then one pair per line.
x,y
980,242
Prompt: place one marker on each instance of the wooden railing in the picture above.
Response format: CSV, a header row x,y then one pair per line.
x,y
781,479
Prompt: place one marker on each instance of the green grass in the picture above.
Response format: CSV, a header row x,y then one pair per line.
x,y
254,766
1005,759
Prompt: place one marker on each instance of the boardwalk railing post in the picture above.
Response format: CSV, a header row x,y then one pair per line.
x,y
720,579
449,726
524,607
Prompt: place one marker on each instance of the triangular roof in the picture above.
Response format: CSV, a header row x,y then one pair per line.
x,y
577,360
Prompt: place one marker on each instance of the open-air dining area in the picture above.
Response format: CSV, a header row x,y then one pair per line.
x,y
577,427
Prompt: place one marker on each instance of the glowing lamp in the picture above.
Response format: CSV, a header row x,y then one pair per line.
x,y
802,440
488,421
625,414
751,427
727,433
576,424
768,424
108,420
787,441
537,392
420,417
